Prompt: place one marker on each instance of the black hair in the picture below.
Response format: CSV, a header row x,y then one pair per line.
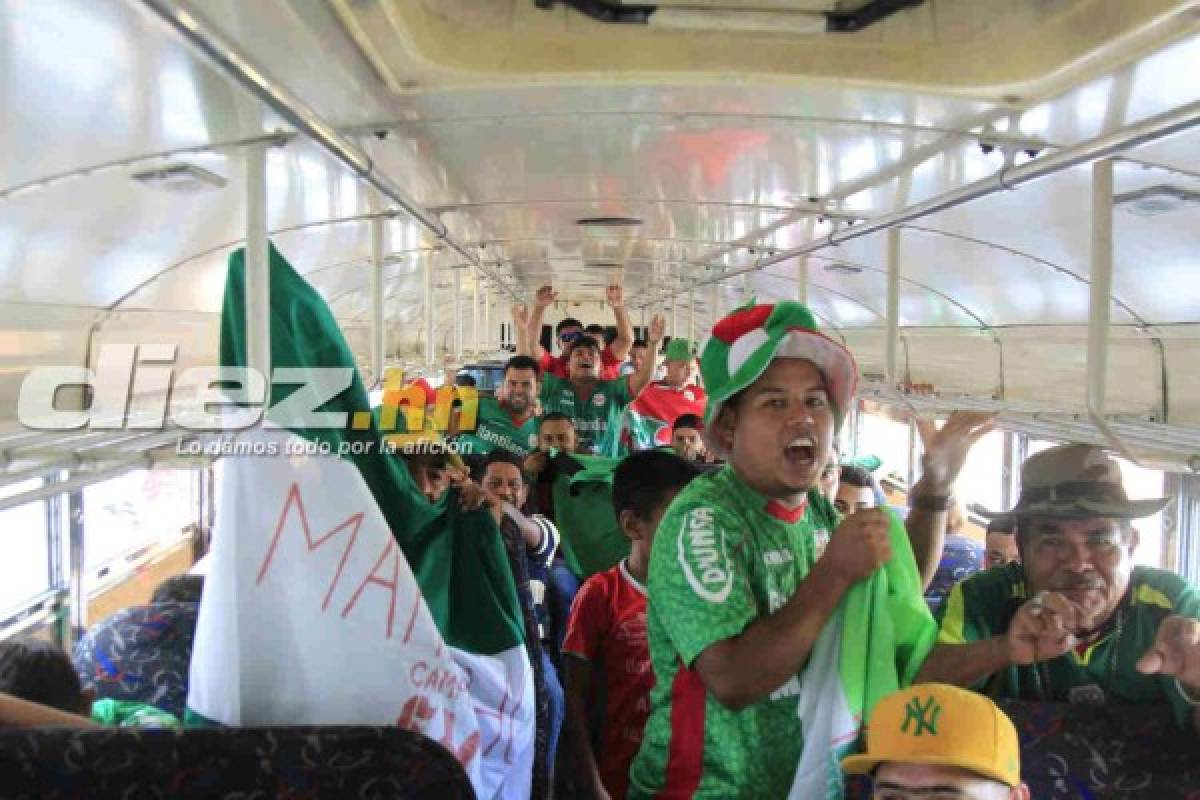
x,y
587,342
40,672
687,421
643,480
555,416
502,456
523,362
567,322
854,475
465,380
639,343
1006,525
594,329
179,589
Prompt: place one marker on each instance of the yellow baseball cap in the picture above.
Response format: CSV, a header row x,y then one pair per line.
x,y
940,725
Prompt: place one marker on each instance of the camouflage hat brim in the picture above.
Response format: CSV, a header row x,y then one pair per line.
x,y
1079,508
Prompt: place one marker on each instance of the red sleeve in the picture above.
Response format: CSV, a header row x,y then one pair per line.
x,y
546,361
607,358
589,622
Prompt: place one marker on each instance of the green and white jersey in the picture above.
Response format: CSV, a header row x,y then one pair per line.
x,y
723,557
1104,671
597,418
495,429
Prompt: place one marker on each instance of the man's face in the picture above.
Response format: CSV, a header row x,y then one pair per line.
x,y
558,434
583,363
505,480
779,436
519,389
638,356
687,443
432,478
830,476
853,498
1086,560
679,373
1001,549
923,782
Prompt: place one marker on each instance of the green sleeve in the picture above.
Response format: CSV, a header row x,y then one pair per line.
x,y
697,585
122,714
970,608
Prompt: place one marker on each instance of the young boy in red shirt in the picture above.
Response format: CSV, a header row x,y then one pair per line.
x,y
605,651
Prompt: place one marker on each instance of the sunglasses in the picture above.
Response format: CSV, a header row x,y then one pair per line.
x,y
570,336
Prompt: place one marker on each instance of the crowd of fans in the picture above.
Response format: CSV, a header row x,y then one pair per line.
x,y
676,669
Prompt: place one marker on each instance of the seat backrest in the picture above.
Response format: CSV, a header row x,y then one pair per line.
x,y
141,654
1123,751
219,762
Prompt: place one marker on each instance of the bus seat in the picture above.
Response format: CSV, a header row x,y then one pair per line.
x,y
141,654
1125,751
313,762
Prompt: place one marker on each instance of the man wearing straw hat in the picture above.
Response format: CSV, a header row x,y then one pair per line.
x,y
1076,621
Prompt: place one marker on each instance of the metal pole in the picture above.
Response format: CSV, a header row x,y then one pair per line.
x,y
377,318
1100,303
475,311
76,588
429,349
487,320
714,303
893,306
1101,147
458,315
224,53
258,277
692,317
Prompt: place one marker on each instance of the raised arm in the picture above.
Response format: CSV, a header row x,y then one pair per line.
x,y
544,298
520,319
624,341
18,713
929,501
641,379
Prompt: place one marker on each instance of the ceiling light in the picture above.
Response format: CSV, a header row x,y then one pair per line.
x,y
608,222
181,179
1157,200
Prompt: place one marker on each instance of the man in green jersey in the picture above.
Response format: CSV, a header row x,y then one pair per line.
x,y
737,595
507,421
596,406
1075,620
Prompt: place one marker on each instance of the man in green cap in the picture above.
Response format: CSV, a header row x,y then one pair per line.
x,y
737,595
652,413
1074,620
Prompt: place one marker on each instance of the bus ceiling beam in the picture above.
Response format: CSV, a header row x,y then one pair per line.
x,y
378,332
225,55
1151,129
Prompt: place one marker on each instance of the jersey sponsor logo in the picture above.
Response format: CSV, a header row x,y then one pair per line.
x,y
689,395
703,558
599,399
533,440
773,558
502,441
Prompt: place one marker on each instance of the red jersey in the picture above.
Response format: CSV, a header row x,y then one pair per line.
x,y
610,367
608,628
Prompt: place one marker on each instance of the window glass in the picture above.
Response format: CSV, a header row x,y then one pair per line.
x,y
886,439
134,510
25,567
982,478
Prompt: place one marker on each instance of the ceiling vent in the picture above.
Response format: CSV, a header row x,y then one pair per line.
x,y
601,263
843,269
1157,200
608,222
181,179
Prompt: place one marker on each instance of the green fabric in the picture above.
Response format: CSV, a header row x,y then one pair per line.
x,y
592,540
982,605
125,714
458,558
597,418
495,430
719,562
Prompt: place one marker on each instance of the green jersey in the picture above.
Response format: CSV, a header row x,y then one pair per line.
x,y
125,714
722,558
496,429
1104,671
597,418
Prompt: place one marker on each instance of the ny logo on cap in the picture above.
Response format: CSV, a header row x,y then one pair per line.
x,y
924,716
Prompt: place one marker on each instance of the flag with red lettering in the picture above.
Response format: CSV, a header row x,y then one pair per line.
x,y
650,416
337,594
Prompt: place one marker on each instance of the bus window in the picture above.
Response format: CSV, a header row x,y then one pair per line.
x,y
888,440
135,511
25,568
981,481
